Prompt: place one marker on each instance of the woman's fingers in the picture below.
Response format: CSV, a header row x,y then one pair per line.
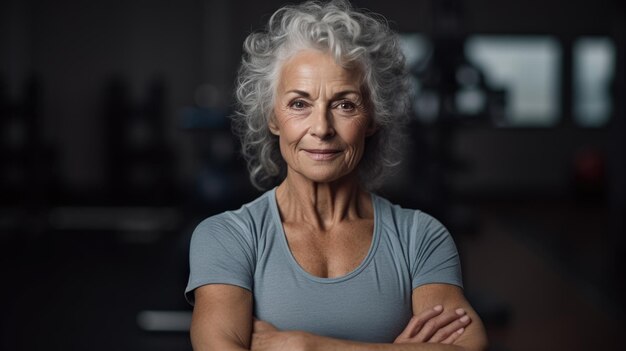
x,y
435,325
260,326
452,338
416,323
452,330
443,325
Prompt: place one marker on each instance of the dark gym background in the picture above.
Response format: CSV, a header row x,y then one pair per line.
x,y
114,143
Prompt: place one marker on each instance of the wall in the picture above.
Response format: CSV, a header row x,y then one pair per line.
x,y
76,47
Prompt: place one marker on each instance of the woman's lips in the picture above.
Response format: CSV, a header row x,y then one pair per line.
x,y
322,154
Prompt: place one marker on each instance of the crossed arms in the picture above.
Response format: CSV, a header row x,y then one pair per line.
x,y
443,320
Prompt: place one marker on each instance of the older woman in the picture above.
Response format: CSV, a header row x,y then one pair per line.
x,y
319,262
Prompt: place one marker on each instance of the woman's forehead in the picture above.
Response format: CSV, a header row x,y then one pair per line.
x,y
311,68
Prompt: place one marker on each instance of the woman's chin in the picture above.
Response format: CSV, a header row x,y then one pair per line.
x,y
325,177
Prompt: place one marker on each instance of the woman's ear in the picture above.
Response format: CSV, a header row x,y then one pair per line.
x,y
273,126
372,128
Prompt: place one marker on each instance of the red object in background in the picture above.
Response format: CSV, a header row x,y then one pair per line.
x,y
590,172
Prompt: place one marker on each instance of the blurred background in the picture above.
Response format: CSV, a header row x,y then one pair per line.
x,y
115,143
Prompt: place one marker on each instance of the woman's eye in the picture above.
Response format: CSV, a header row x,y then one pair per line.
x,y
347,106
298,104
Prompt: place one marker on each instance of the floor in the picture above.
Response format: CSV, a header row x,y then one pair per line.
x,y
551,306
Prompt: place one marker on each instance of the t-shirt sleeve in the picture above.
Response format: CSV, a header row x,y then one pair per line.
x,y
220,252
433,257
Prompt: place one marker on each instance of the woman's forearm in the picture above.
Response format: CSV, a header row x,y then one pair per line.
x,y
320,343
302,341
431,330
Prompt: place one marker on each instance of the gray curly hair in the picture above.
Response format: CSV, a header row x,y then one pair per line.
x,y
353,38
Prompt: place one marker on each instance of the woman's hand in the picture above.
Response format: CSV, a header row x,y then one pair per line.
x,y
433,326
436,326
267,337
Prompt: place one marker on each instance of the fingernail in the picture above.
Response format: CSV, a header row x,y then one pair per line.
x,y
460,331
438,308
464,319
460,311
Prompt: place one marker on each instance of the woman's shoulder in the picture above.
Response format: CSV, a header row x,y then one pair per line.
x,y
405,220
242,220
387,208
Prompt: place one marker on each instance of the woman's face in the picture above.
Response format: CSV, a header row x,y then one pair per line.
x,y
320,117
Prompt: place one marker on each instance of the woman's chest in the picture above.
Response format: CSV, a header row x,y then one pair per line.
x,y
371,303
333,253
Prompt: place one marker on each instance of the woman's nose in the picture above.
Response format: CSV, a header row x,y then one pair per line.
x,y
321,124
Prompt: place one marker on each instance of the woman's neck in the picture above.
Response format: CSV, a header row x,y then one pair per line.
x,y
322,204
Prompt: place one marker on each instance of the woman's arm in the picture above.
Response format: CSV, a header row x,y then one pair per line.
x,y
451,298
222,318
430,330
267,338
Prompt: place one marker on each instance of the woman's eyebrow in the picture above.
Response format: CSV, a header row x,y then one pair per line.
x,y
299,92
346,92
339,94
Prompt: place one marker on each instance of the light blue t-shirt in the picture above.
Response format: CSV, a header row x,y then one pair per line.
x,y
248,248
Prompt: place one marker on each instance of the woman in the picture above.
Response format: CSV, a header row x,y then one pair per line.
x,y
318,262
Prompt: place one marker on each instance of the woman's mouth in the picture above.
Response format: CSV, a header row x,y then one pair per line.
x,y
322,154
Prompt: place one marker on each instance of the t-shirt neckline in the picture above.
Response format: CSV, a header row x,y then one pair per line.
x,y
294,263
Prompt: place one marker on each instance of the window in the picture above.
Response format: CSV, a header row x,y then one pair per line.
x,y
528,69
593,69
